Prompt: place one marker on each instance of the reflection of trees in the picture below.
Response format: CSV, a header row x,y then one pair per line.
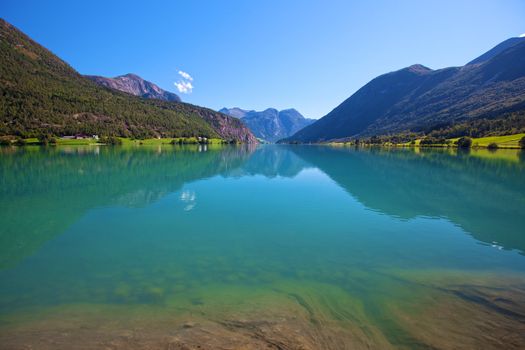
x,y
50,188
483,195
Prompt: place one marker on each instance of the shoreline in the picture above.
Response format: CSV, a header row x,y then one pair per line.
x,y
124,141
488,142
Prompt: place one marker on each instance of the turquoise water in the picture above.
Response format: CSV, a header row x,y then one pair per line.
x,y
367,237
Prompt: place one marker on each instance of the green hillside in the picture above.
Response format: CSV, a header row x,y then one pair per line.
x,y
483,98
40,93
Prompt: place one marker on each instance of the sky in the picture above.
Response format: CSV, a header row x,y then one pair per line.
x,y
305,54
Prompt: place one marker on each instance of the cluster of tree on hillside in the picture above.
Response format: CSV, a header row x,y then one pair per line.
x,y
506,124
31,108
42,95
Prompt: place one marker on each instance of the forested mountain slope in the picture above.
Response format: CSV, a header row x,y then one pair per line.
x,y
40,93
419,99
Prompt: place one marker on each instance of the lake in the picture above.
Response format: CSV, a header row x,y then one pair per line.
x,y
264,247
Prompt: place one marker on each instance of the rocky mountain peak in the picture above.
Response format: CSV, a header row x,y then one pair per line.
x,y
135,85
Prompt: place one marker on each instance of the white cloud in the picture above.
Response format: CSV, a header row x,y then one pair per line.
x,y
184,87
522,35
189,198
185,75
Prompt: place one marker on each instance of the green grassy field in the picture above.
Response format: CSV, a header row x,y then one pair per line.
x,y
507,141
125,141
185,140
61,141
72,142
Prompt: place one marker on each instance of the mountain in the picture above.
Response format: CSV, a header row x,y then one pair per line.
x,y
419,99
270,124
497,50
40,93
235,112
135,85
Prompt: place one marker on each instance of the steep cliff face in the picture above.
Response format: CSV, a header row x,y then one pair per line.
x,y
229,128
135,85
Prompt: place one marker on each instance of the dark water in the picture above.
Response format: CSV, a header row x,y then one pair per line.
x,y
383,240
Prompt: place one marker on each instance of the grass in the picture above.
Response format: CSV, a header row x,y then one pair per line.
x,y
507,141
164,141
73,142
125,141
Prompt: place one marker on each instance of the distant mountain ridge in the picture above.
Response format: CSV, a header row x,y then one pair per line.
x,y
41,94
135,85
417,98
270,125
235,112
496,50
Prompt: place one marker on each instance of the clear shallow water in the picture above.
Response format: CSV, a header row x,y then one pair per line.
x,y
381,247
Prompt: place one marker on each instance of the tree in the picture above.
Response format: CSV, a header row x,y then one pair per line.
x,y
20,141
111,140
492,146
46,139
464,142
5,141
522,142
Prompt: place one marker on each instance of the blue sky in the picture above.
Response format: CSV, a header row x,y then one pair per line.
x,y
310,55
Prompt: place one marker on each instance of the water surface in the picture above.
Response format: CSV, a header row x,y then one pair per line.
x,y
261,247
